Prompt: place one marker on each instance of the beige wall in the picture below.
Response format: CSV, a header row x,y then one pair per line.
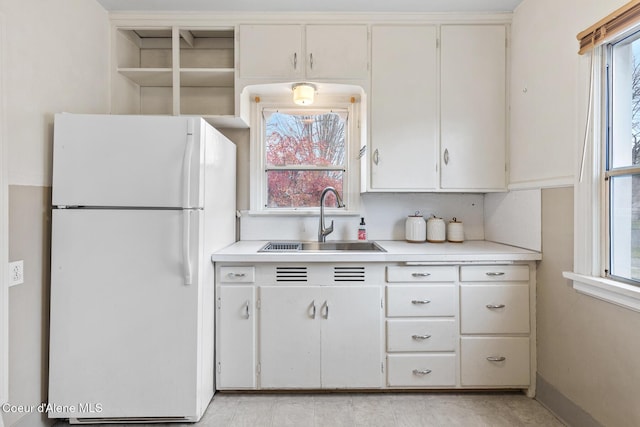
x,y
56,59
587,349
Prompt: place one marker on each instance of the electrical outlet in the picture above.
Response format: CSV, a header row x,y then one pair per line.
x,y
16,273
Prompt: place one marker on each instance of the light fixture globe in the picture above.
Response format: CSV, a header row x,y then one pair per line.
x,y
303,93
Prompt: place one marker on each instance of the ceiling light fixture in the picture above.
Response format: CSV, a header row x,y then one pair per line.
x,y
303,93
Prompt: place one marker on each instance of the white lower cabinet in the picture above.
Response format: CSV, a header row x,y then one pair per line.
x,y
494,361
495,326
320,337
429,370
236,337
308,326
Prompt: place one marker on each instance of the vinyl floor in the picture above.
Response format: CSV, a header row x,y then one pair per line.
x,y
372,410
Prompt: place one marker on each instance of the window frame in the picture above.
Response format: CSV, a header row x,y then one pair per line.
x,y
258,173
608,171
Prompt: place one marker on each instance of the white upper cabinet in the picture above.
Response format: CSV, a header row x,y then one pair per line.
x,y
337,51
271,51
438,115
404,107
473,107
297,52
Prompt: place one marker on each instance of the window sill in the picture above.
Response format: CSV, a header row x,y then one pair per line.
x,y
301,212
618,293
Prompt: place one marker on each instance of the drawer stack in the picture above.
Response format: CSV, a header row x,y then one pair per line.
x,y
494,326
421,326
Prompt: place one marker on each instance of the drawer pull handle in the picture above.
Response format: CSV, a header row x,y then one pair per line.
x,y
247,314
420,337
494,273
494,306
420,301
421,274
496,358
421,371
236,275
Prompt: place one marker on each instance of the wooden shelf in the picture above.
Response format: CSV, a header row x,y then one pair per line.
x,y
148,77
209,77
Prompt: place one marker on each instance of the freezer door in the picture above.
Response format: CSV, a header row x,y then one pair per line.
x,y
125,328
142,161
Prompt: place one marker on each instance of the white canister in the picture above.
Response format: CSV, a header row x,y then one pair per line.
x,y
455,231
436,230
415,228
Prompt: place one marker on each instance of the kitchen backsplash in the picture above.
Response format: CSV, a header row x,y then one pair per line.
x,y
384,214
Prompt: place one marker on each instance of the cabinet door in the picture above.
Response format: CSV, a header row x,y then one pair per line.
x,y
337,51
404,108
271,51
290,336
473,106
351,337
236,337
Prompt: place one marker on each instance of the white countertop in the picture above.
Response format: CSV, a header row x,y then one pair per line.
x,y
396,251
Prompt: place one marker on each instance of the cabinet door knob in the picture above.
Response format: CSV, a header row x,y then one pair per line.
x,y
311,60
236,275
446,156
494,273
421,371
494,306
420,337
325,307
420,301
421,274
247,314
295,60
496,358
376,157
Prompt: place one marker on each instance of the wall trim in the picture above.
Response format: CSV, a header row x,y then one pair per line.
x,y
563,407
562,181
4,229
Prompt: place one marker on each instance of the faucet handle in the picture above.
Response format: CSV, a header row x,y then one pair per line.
x,y
329,229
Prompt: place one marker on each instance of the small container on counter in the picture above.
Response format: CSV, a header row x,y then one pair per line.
x,y
415,228
455,231
362,230
436,230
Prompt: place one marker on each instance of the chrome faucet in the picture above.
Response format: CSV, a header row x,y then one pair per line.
x,y
322,231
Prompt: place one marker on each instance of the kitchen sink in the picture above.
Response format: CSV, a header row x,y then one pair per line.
x,y
333,246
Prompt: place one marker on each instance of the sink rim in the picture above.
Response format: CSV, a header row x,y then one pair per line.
x,y
310,246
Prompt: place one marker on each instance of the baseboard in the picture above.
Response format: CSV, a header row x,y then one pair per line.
x,y
561,406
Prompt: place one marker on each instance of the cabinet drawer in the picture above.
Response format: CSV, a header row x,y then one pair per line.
x,y
494,361
237,274
425,300
494,308
422,274
430,370
493,273
421,335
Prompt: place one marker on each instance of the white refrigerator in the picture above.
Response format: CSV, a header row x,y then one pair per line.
x,y
139,205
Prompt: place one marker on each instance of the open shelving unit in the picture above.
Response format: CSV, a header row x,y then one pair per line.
x,y
175,70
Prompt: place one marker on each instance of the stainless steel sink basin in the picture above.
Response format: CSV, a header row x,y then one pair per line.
x,y
333,246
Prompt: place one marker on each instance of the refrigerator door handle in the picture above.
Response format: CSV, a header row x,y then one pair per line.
x,y
186,245
186,167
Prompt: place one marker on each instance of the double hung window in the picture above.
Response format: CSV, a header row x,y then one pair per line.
x,y
622,160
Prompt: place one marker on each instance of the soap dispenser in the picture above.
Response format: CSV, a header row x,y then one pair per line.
x,y
362,230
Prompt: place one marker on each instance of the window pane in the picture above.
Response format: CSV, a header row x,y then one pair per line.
x,y
305,139
625,107
625,226
301,189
